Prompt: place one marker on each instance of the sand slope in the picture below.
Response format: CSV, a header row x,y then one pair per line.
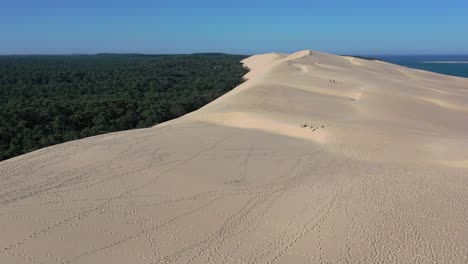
x,y
379,175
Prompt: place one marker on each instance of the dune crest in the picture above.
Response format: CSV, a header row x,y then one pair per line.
x,y
316,158
371,108
299,54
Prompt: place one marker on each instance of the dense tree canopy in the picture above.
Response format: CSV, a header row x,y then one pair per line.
x,y
45,100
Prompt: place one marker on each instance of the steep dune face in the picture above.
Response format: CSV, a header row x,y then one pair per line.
x,y
316,158
369,109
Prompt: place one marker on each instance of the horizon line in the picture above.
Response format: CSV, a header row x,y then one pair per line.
x,y
216,52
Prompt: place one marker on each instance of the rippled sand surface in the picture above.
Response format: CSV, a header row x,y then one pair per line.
x,y
316,158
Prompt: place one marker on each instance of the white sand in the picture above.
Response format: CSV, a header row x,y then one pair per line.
x,y
385,180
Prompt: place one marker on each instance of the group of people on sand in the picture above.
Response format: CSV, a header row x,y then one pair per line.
x,y
304,125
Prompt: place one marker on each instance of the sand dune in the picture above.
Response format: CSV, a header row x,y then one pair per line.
x,y
316,158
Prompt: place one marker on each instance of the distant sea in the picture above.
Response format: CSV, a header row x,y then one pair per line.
x,y
456,65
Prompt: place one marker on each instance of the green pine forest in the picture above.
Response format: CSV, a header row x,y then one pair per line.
x,y
46,100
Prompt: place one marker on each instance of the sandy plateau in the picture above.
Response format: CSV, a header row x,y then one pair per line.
x,y
316,158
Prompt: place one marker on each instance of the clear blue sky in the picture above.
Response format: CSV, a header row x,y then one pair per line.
x,y
233,26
